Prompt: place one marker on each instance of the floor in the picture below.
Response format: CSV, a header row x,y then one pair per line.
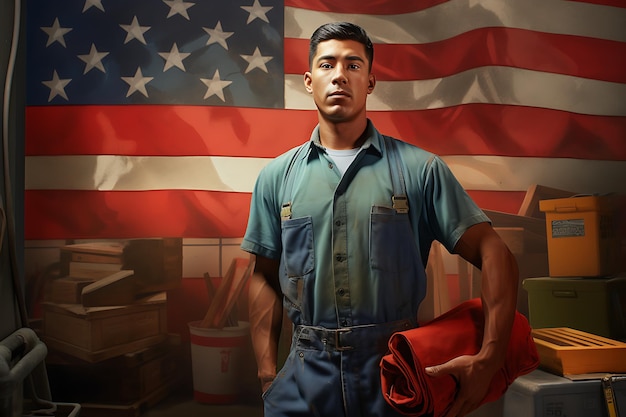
x,y
173,399
181,402
184,405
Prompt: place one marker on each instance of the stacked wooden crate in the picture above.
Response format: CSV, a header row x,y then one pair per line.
x,y
105,324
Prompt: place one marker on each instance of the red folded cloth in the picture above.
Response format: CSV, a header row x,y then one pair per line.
x,y
408,389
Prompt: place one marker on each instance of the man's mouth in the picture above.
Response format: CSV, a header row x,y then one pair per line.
x,y
339,93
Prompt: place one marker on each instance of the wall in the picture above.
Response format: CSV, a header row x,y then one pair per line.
x,y
11,254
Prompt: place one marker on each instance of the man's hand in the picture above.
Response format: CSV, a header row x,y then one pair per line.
x,y
473,377
266,381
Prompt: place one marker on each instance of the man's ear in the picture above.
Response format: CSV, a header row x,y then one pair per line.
x,y
307,82
372,83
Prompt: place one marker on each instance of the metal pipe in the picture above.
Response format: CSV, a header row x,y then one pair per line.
x,y
34,351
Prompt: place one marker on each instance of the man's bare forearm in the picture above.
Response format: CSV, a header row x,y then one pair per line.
x,y
265,312
499,298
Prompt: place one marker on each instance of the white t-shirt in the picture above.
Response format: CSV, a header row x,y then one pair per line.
x,y
343,158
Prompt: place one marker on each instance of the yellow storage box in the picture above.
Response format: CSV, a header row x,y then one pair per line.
x,y
582,237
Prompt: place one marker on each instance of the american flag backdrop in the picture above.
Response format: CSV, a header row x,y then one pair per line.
x,y
153,117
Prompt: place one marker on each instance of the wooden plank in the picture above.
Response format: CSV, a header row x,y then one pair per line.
x,y
227,293
220,296
210,288
502,219
239,282
536,192
100,247
116,289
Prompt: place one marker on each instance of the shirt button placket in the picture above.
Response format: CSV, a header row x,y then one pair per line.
x,y
340,264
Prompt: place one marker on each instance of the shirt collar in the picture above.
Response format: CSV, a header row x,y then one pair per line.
x,y
373,139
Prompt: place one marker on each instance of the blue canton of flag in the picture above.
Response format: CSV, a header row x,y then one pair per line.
x,y
155,52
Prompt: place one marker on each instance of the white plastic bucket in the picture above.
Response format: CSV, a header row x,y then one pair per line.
x,y
216,361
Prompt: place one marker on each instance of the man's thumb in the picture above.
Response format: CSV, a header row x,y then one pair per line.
x,y
433,370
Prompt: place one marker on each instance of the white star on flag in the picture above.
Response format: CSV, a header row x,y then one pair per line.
x,y
178,7
56,33
174,58
93,59
217,35
137,83
215,86
93,3
257,12
57,86
135,31
256,60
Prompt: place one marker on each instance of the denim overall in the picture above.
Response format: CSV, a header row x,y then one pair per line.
x,y
335,372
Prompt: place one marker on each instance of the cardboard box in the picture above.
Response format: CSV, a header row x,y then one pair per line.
x,y
543,394
98,333
594,305
582,237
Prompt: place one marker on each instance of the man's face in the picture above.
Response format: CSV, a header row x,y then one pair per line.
x,y
340,80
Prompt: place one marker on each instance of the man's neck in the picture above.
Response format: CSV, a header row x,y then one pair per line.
x,y
346,135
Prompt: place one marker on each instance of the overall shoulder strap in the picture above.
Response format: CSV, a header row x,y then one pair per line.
x,y
399,200
287,187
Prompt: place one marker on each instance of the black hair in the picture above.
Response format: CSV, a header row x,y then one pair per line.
x,y
341,31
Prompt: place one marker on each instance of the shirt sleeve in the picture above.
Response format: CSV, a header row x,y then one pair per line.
x,y
449,209
262,235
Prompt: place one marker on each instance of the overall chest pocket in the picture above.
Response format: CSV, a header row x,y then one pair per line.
x,y
391,245
297,240
298,258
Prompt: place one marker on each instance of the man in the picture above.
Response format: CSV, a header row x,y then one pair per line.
x,y
341,228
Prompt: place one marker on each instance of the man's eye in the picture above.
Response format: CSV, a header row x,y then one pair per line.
x,y
326,65
355,66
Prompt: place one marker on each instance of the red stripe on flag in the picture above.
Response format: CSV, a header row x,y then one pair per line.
x,y
490,129
386,7
548,52
380,7
164,130
505,201
614,3
61,214
472,129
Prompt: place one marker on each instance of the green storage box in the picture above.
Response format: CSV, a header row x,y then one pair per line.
x,y
593,305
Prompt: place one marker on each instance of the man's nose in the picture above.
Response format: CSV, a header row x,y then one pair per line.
x,y
339,76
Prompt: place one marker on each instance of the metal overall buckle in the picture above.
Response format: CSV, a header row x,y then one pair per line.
x,y
339,344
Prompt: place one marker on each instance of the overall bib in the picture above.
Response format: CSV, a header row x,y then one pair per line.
x,y
335,372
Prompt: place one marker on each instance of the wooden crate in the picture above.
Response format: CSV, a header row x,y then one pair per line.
x,y
122,380
98,333
156,262
134,409
567,351
66,290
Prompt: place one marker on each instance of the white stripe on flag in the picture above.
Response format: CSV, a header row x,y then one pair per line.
x,y
493,85
455,17
231,174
